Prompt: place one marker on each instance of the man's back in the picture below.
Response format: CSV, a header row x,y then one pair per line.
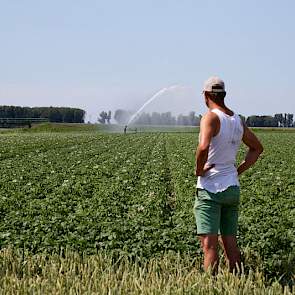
x,y
218,197
222,154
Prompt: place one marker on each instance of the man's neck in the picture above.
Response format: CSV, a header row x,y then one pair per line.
x,y
221,107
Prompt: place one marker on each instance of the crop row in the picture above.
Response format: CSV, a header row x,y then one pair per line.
x,y
134,195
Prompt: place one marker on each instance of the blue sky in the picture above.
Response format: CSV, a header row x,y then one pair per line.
x,y
116,54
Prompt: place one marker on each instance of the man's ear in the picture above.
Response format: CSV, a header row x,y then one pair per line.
x,y
207,95
207,101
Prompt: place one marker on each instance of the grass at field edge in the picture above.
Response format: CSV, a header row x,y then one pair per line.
x,y
71,273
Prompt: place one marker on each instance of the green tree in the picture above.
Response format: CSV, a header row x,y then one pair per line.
x,y
122,116
103,116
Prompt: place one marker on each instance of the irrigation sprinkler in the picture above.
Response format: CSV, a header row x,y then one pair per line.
x,y
164,90
151,99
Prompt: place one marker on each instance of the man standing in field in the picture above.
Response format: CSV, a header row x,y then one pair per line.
x,y
218,192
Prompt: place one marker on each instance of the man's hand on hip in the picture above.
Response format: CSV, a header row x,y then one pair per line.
x,y
203,171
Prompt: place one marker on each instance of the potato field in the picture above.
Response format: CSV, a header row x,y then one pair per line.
x,y
121,207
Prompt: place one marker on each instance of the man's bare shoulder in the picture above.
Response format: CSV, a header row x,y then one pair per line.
x,y
210,118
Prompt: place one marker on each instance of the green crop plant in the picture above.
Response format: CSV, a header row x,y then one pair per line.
x,y
132,196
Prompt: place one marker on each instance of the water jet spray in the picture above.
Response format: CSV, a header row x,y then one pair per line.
x,y
158,94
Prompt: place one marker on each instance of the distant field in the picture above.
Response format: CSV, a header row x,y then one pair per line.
x,y
70,127
272,129
113,128
55,127
129,198
161,128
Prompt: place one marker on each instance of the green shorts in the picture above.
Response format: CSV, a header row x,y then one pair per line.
x,y
217,213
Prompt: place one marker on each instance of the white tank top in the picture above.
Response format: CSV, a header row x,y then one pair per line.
x,y
222,153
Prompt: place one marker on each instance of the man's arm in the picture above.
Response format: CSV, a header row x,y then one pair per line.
x,y
255,149
208,127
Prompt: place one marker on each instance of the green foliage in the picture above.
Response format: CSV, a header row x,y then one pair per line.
x,y
133,195
105,117
278,120
53,114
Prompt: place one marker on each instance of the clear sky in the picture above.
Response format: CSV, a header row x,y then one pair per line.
x,y
116,54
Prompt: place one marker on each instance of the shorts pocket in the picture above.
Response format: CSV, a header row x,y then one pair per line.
x,y
233,195
202,194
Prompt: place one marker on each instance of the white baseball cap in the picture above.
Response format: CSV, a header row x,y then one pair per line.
x,y
214,84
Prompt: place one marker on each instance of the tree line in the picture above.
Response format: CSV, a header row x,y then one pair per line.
x,y
75,115
53,114
155,118
278,120
122,116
